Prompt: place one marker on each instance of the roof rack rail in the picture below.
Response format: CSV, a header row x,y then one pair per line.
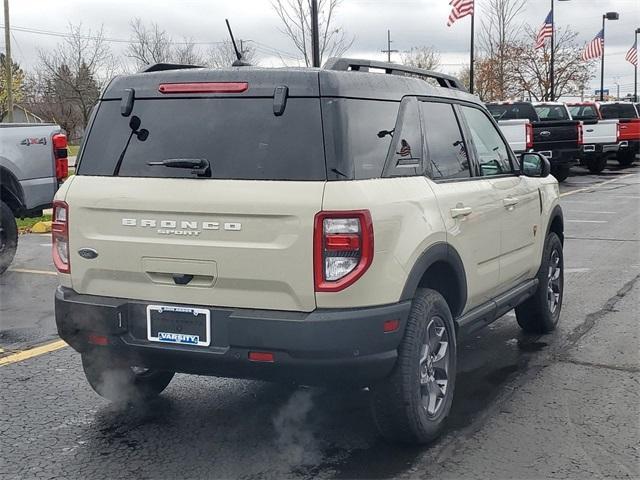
x,y
159,67
358,65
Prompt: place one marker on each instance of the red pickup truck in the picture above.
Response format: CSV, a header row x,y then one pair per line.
x,y
628,130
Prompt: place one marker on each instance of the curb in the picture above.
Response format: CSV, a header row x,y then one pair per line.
x,y
41,227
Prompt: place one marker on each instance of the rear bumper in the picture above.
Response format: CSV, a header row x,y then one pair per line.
x,y
562,157
590,150
319,348
633,145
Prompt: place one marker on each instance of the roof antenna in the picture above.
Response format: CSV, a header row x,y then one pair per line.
x,y
239,62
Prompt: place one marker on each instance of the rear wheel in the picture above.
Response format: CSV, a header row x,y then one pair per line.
x,y
561,173
8,236
597,164
122,383
626,157
411,405
540,313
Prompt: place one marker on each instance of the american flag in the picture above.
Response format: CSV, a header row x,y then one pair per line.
x,y
459,9
546,31
594,48
405,148
632,54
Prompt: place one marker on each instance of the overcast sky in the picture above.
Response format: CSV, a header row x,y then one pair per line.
x,y
412,23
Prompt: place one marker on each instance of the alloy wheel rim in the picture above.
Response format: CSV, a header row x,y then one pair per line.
x,y
554,284
3,239
434,367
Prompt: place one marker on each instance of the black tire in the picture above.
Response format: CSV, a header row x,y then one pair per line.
x,y
597,164
122,383
399,410
561,173
8,236
626,157
537,315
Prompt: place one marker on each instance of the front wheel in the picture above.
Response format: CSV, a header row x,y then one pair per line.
x,y
412,404
122,383
8,236
540,313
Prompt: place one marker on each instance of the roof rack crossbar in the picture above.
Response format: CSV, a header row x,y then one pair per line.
x,y
358,65
159,67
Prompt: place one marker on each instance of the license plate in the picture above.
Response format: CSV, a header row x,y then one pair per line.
x,y
179,325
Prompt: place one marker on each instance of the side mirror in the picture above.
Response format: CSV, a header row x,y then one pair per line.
x,y
535,165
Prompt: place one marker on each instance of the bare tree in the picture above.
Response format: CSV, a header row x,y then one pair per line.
x,y
222,55
422,57
295,16
151,44
73,73
531,66
499,31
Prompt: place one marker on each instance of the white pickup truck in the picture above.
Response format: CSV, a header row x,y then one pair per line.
x,y
518,133
600,137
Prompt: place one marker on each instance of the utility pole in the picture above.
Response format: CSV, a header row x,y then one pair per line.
x,y
315,34
388,51
473,51
8,62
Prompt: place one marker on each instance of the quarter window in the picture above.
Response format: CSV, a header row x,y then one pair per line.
x,y
492,152
405,159
447,151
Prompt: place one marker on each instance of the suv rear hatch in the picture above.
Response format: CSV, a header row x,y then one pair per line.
x,y
238,235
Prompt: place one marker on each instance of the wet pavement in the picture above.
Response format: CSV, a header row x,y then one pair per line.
x,y
558,406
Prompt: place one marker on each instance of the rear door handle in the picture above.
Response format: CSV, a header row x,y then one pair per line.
x,y
460,212
510,202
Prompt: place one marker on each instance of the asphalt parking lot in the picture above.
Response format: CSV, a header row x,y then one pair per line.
x,y
563,405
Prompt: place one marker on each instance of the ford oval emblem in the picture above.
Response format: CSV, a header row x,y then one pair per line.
x,y
88,253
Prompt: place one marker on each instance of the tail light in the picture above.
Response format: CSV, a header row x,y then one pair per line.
x,y
618,131
204,87
59,141
580,134
60,236
529,134
343,248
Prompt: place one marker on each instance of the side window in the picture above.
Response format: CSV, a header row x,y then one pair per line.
x,y
492,151
447,152
405,158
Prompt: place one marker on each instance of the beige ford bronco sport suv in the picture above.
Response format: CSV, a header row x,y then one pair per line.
x,y
343,225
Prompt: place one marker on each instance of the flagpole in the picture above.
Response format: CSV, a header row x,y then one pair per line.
x,y
471,62
551,66
602,64
635,77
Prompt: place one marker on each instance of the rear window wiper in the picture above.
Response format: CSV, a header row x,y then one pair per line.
x,y
198,166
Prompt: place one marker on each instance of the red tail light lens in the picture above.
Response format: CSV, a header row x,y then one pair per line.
x,y
343,248
59,141
529,134
60,236
580,134
618,131
204,87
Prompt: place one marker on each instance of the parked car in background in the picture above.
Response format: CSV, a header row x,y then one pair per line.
x,y
518,133
33,163
555,134
629,129
600,137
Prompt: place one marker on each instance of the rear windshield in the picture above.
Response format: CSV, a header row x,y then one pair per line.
x,y
241,138
552,112
583,112
512,111
618,110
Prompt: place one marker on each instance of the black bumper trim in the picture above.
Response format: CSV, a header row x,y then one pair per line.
x,y
319,347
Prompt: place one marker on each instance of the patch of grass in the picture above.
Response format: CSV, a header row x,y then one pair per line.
x,y
28,223
73,150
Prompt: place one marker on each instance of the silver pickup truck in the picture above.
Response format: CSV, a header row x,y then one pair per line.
x,y
33,163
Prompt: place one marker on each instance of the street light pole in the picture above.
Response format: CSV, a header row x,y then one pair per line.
x,y
606,16
315,34
8,63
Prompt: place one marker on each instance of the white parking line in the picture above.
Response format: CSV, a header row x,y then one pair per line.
x,y
593,211
578,190
576,270
587,221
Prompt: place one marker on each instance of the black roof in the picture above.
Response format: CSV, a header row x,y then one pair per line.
x,y
302,82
